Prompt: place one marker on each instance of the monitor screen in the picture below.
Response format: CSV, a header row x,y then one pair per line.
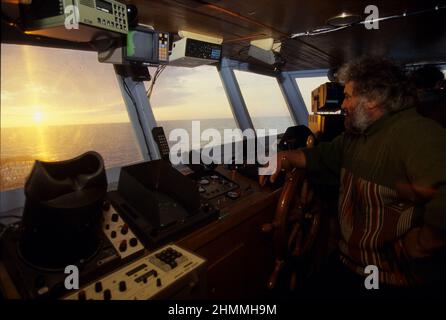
x,y
142,46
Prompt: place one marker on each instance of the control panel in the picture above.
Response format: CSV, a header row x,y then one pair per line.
x,y
189,52
161,141
203,50
146,278
112,15
93,20
120,235
214,185
163,46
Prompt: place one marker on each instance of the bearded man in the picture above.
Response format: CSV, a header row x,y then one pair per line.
x,y
391,167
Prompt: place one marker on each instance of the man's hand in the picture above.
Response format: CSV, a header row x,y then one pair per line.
x,y
286,160
282,164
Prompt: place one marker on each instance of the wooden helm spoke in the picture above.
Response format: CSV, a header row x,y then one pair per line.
x,y
296,222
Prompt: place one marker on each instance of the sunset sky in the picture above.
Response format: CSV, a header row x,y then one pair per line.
x,y
43,86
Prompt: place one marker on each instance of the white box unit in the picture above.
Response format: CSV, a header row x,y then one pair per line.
x,y
188,52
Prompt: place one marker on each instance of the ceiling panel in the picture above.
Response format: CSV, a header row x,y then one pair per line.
x,y
409,39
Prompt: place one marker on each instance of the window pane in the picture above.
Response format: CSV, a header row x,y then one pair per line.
x,y
306,85
181,95
264,100
55,105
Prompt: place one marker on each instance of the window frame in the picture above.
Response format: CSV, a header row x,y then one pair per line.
x,y
293,75
235,96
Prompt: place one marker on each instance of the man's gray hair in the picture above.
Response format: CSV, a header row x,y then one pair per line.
x,y
378,79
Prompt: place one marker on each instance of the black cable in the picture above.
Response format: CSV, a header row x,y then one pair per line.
x,y
126,88
157,73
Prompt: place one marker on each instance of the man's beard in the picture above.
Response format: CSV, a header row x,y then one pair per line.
x,y
358,120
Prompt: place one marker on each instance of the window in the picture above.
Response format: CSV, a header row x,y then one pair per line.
x,y
182,95
308,84
264,100
55,105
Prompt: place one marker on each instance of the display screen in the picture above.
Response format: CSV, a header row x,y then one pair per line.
x,y
104,6
141,46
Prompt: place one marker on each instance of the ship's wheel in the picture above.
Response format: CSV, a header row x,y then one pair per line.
x,y
295,226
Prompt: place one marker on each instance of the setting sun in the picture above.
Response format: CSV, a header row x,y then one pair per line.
x,y
38,116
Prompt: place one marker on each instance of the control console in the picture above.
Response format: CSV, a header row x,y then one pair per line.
x,y
161,274
214,185
119,234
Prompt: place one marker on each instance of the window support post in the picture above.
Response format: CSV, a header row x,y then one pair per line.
x,y
234,95
293,98
140,114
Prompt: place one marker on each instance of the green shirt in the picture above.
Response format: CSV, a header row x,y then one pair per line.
x,y
379,172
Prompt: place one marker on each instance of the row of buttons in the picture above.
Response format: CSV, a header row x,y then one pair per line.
x,y
118,8
120,15
120,25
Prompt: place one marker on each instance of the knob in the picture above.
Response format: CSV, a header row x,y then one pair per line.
x,y
113,234
98,286
114,217
123,245
122,286
158,282
107,294
233,195
133,242
125,229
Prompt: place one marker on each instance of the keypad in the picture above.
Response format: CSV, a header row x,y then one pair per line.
x,y
163,49
168,259
118,20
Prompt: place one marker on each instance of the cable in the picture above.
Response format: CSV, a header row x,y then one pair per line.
x,y
157,73
127,90
243,49
403,15
318,31
324,30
